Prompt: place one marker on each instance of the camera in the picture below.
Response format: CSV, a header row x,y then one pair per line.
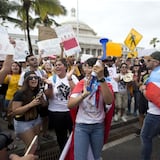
x,y
5,139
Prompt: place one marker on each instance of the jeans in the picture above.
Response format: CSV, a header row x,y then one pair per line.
x,y
85,135
150,129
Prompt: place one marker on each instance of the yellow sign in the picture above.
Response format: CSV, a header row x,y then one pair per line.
x,y
132,39
132,54
113,49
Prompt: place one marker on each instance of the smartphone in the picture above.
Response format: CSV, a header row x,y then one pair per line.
x,y
33,146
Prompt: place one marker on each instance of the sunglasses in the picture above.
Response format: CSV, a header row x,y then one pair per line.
x,y
33,77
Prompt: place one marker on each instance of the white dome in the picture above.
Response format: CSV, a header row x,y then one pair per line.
x,y
84,29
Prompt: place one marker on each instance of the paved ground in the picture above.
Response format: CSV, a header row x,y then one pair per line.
x,y
129,148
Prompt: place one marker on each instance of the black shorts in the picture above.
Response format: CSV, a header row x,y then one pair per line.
x,y
143,104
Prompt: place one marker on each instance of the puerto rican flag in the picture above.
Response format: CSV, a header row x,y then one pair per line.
x,y
153,87
68,151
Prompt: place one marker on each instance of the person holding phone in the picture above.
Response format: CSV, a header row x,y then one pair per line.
x,y
25,108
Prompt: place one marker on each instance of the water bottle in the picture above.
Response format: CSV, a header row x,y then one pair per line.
x,y
98,63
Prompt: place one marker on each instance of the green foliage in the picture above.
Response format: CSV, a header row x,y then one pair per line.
x,y
154,42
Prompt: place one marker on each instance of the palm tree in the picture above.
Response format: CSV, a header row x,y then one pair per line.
x,y
42,8
6,8
154,42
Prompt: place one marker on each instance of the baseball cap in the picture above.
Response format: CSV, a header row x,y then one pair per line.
x,y
156,55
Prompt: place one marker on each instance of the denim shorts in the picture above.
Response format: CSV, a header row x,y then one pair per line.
x,y
22,126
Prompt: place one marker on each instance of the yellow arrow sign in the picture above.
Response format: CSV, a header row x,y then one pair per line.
x,y
132,39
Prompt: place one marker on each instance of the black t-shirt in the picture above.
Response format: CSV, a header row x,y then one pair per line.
x,y
19,96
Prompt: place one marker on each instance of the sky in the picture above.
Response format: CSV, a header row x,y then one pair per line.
x,y
114,19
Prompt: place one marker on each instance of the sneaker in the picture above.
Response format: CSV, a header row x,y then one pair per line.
x,y
115,117
123,119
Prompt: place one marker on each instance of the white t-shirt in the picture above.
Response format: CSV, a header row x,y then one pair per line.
x,y
61,91
122,86
153,109
88,112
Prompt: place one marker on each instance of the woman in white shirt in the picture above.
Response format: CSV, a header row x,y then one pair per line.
x,y
90,95
59,87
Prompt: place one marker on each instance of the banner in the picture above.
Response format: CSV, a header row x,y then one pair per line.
x,y
49,47
68,39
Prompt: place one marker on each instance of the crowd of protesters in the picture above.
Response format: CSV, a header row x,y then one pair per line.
x,y
37,98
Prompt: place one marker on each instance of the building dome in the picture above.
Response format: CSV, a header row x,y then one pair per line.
x,y
84,29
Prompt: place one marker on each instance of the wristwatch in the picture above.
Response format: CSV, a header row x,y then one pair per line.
x,y
101,80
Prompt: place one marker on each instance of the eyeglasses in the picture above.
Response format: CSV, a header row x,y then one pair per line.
x,y
33,77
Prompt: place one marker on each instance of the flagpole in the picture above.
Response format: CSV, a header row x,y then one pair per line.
x,y
77,20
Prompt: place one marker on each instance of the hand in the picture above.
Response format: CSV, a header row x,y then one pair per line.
x,y
47,81
36,101
85,92
28,157
70,73
142,88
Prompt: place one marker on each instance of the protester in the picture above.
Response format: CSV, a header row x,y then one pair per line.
x,y
6,68
25,108
71,64
12,81
3,152
121,96
61,83
90,118
32,63
151,125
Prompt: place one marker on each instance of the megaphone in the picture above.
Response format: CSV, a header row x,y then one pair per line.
x,y
103,41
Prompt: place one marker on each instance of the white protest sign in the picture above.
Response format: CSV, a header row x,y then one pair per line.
x,y
5,46
49,47
21,51
67,36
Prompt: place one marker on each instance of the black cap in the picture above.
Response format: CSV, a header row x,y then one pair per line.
x,y
156,55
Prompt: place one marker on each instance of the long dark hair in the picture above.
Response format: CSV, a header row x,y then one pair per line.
x,y
28,93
